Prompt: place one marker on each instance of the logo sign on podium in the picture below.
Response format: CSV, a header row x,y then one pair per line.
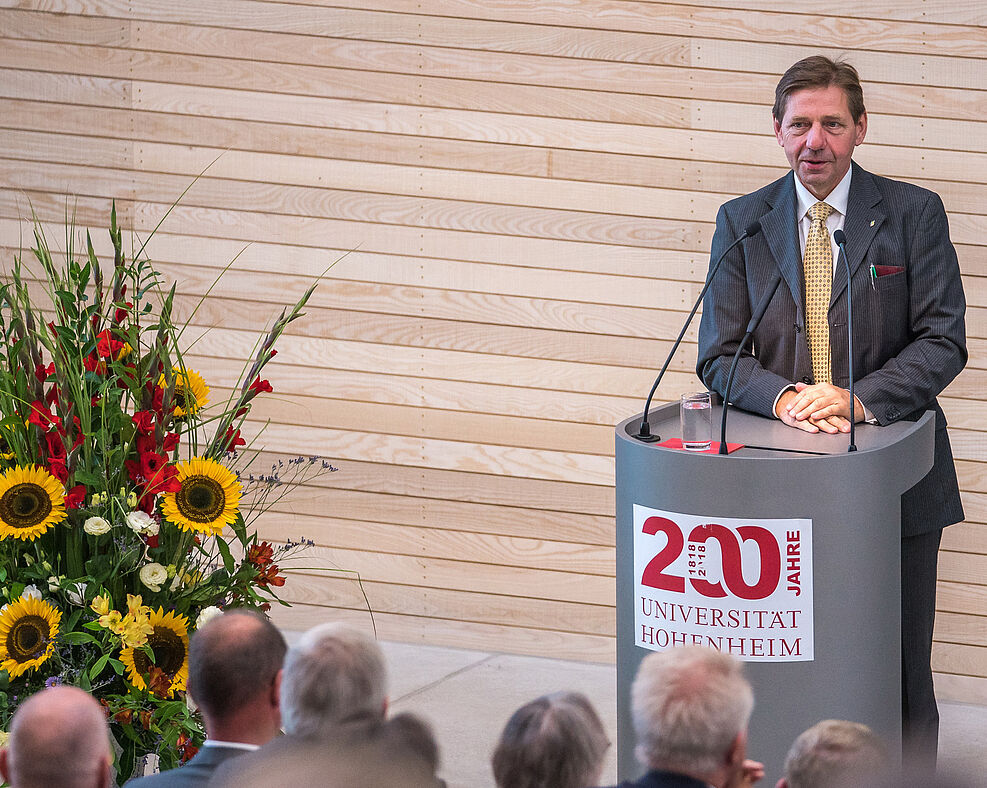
x,y
742,586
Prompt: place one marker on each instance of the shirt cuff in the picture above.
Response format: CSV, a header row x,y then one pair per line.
x,y
774,406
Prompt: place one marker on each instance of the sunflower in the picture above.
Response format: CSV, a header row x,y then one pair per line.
x,y
31,501
169,642
28,628
191,392
207,499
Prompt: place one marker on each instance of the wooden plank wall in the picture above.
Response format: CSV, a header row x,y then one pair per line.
x,y
529,188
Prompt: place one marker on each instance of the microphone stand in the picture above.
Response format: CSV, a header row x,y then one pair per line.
x,y
644,433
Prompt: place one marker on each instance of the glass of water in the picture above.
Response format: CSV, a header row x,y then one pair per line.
x,y
697,424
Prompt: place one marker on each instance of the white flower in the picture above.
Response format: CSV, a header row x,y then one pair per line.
x,y
76,593
95,526
153,575
142,523
52,585
32,591
207,614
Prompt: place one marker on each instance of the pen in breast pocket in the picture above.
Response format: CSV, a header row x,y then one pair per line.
x,y
873,277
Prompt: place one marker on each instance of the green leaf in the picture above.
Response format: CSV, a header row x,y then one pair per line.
x,y
77,638
88,479
98,666
224,549
117,666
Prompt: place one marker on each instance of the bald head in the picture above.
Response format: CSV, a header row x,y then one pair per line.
x,y
58,739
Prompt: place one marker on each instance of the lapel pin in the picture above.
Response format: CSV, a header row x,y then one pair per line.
x,y
873,222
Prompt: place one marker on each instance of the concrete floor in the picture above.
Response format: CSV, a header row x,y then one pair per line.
x,y
467,696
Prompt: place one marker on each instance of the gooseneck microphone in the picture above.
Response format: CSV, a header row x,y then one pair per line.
x,y
755,321
840,237
644,434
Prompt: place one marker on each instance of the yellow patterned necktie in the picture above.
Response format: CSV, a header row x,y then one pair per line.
x,y
817,268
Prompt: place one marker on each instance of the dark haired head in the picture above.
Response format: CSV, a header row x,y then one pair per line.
x,y
232,658
820,72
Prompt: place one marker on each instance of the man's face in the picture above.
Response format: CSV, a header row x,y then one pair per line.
x,y
819,135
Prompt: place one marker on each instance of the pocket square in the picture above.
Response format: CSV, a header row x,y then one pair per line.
x,y
887,270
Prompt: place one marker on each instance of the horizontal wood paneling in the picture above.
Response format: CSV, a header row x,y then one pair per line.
x,y
522,196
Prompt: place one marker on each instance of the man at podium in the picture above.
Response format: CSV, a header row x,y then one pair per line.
x,y
909,337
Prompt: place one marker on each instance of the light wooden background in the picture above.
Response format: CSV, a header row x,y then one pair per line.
x,y
530,189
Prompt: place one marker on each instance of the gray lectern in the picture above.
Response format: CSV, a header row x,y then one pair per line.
x,y
853,501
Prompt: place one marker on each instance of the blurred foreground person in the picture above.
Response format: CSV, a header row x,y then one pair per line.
x,y
555,741
690,707
835,754
334,692
58,739
234,676
352,763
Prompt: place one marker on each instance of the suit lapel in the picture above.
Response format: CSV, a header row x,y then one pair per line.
x,y
864,218
781,234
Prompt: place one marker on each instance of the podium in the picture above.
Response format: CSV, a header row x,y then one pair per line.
x,y
854,503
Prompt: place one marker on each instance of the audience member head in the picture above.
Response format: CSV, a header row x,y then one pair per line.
x,y
820,72
58,739
833,754
555,741
407,735
235,662
690,707
333,676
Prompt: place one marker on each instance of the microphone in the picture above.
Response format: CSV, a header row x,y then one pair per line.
x,y
752,325
840,237
644,434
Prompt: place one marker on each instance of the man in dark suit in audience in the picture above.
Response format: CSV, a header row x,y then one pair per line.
x,y
58,739
908,322
235,665
690,707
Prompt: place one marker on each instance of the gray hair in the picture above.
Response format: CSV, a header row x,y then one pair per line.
x,y
555,741
688,705
835,753
334,675
59,738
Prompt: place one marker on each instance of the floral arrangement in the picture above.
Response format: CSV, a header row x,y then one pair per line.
x,y
125,509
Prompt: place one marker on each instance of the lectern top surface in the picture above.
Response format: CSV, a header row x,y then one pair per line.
x,y
757,432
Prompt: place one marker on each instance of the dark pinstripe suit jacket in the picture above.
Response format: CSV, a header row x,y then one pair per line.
x,y
908,327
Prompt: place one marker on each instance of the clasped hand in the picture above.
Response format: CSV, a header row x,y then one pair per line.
x,y
819,407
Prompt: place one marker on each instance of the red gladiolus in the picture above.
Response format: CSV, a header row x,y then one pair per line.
x,y
55,446
170,442
93,364
75,497
144,420
121,312
41,416
261,386
145,442
232,439
41,372
151,464
151,541
56,468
